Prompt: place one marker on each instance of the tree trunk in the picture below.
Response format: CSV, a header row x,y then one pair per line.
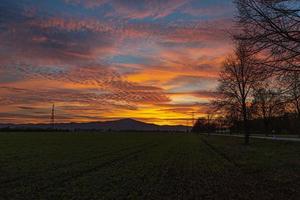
x,y
246,131
298,125
246,128
267,127
298,116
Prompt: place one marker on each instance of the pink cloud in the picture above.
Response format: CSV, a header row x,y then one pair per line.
x,y
135,9
108,82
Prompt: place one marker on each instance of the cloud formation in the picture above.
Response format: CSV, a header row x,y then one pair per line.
x,y
136,9
108,59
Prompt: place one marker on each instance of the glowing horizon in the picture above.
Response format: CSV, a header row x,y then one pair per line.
x,y
151,60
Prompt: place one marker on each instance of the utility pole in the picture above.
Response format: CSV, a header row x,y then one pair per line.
x,y
190,120
52,120
187,126
193,118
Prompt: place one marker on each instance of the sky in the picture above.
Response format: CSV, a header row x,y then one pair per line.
x,y
152,60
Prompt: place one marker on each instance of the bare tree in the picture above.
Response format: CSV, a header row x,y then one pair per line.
x,y
291,83
267,103
207,123
237,79
273,28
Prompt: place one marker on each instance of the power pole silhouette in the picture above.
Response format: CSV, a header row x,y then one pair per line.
x,y
53,116
193,118
190,122
187,125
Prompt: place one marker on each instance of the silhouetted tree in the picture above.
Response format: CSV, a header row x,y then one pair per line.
x,y
272,27
267,103
204,125
268,38
238,77
291,82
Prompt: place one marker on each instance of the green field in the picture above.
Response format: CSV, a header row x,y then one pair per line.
x,y
146,166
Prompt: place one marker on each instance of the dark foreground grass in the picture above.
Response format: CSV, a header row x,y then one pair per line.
x,y
146,166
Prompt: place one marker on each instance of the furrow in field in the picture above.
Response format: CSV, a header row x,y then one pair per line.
x,y
116,180
238,183
77,174
158,188
136,179
59,179
168,184
57,167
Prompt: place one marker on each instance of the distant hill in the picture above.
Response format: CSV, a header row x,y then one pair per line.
x,y
117,125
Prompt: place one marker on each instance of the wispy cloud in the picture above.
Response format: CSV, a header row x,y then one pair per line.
x,y
114,57
136,9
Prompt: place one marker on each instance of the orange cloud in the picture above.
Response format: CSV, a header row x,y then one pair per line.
x,y
152,60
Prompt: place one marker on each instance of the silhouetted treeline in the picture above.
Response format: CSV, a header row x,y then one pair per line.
x,y
259,83
203,125
280,125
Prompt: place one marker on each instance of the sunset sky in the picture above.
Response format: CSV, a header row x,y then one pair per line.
x,y
152,60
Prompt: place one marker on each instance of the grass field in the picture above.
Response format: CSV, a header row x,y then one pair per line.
x,y
146,166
